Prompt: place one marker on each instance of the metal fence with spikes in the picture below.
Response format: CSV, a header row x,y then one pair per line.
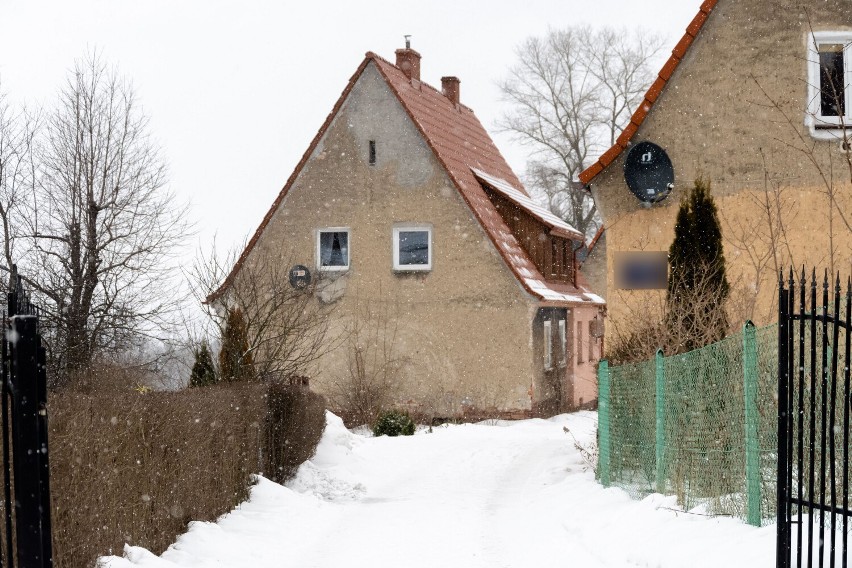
x,y
814,340
26,539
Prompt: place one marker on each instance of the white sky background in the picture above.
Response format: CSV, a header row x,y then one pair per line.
x,y
235,91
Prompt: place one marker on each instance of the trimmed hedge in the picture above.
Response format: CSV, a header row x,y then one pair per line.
x,y
134,467
297,420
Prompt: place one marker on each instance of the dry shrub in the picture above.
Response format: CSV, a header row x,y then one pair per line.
x,y
371,379
113,377
293,430
131,467
690,320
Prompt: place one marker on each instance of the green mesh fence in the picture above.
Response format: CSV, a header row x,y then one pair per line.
x,y
700,425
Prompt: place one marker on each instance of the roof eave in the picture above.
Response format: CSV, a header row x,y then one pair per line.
x,y
220,291
651,96
573,236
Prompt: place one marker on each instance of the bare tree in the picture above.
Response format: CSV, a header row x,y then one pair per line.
x,y
571,92
16,139
286,327
102,223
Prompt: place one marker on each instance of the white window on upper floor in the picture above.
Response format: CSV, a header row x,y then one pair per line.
x,y
829,84
412,247
333,249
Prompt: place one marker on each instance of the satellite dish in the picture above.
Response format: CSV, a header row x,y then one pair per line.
x,y
648,172
300,277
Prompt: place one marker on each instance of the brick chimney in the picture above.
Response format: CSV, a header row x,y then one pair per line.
x,y
408,61
451,86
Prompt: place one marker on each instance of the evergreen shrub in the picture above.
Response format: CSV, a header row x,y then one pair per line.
x,y
203,371
393,423
235,359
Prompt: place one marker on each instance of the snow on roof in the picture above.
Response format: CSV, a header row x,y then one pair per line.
x,y
555,293
460,143
557,225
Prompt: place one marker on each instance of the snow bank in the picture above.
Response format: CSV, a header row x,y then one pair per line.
x,y
325,475
511,494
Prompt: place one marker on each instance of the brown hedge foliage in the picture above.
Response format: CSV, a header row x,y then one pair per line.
x,y
295,426
130,467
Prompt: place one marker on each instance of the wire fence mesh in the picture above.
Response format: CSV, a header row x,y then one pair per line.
x,y
700,425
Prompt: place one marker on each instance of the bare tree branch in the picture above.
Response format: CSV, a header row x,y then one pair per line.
x,y
101,224
287,327
571,93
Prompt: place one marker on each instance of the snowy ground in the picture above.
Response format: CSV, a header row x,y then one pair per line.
x,y
510,494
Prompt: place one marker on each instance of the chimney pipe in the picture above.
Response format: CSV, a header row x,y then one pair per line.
x,y
451,87
408,61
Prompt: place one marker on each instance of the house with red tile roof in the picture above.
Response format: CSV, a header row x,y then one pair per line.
x,y
753,99
405,210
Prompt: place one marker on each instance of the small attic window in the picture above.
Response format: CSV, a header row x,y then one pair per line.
x,y
372,152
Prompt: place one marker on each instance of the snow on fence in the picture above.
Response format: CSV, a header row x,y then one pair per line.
x,y
700,425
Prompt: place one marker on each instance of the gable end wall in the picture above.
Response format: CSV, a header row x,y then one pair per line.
x,y
715,121
464,328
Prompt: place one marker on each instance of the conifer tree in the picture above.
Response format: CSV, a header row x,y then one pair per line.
x,y
235,359
697,284
203,371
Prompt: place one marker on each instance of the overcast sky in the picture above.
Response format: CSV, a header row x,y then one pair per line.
x,y
235,91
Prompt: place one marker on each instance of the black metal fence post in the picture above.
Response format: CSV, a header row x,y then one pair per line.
x,y
32,534
783,527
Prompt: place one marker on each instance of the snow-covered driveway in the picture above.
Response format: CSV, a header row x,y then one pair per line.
x,y
511,494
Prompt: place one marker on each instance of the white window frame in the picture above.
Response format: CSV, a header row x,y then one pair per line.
x,y
563,342
411,267
813,116
548,345
319,233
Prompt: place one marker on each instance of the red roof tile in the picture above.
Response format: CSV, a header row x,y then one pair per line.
x,y
678,53
697,22
626,135
459,142
682,46
592,171
655,90
668,68
611,154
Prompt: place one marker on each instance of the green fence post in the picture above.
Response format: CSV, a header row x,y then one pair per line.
x,y
603,422
659,373
752,442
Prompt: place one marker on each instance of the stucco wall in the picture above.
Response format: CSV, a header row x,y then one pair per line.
x,y
715,120
465,327
585,361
